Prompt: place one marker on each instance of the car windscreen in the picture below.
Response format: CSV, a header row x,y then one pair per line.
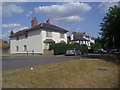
x,y
70,49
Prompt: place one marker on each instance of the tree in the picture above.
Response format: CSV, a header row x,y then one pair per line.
x,y
110,28
97,45
11,32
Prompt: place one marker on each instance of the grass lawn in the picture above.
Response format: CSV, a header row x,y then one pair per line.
x,y
82,73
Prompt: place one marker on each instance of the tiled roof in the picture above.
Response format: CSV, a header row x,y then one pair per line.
x,y
80,39
41,25
49,41
79,36
3,44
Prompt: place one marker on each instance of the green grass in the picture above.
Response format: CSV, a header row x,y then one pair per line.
x,y
80,73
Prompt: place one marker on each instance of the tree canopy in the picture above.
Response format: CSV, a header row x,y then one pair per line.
x,y
110,28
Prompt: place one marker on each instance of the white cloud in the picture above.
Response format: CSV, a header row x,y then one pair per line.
x,y
7,28
4,37
29,13
69,19
67,11
8,9
104,6
22,28
10,26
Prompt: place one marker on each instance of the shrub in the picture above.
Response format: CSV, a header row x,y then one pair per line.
x,y
61,48
5,47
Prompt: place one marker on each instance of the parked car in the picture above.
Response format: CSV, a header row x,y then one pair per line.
x,y
73,51
84,51
101,51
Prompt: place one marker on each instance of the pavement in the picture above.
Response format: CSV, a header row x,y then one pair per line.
x,y
16,62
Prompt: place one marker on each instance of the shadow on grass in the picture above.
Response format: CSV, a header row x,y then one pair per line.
x,y
107,57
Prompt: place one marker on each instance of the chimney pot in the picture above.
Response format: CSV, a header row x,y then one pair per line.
x,y
33,18
48,21
34,22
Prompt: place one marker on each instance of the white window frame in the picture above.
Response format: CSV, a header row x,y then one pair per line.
x,y
26,35
62,35
25,47
48,34
17,48
17,37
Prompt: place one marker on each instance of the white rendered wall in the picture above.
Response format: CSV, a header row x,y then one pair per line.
x,y
55,37
33,42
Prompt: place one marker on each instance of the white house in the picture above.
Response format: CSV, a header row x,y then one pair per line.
x,y
81,38
37,38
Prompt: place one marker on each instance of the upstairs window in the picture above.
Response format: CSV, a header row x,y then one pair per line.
x,y
17,38
48,34
62,35
25,47
26,35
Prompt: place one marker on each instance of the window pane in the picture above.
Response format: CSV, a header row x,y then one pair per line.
x,y
17,48
26,35
48,34
17,37
61,35
25,47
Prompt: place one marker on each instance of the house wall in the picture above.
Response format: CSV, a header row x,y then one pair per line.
x,y
83,42
92,41
55,37
33,42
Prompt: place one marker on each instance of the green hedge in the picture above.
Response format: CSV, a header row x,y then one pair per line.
x,y
61,48
5,47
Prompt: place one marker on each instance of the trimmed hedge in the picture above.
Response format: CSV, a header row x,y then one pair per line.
x,y
61,48
5,47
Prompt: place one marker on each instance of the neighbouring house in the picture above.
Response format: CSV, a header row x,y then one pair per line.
x,y
37,38
4,47
81,38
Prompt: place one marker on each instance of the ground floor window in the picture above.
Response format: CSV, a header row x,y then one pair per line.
x,y
17,48
25,47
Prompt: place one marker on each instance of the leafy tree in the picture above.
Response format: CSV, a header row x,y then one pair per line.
x,y
5,41
110,28
97,45
11,32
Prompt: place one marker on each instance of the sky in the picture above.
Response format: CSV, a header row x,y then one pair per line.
x,y
72,16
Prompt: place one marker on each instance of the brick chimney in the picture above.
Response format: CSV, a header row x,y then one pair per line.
x,y
48,21
34,22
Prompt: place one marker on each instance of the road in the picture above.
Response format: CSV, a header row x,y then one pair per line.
x,y
15,62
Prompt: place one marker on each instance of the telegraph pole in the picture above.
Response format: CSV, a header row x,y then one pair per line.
x,y
113,42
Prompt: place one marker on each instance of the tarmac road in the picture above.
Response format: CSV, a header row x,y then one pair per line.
x,y
15,62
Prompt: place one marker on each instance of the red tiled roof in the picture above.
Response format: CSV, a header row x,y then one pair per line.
x,y
49,41
41,25
3,44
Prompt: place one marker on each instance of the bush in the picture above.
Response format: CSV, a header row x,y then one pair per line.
x,y
5,47
61,48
